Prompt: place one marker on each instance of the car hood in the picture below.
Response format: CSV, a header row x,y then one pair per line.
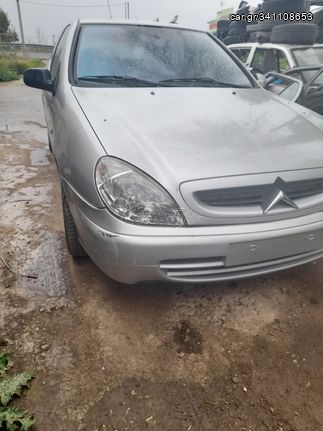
x,y
184,134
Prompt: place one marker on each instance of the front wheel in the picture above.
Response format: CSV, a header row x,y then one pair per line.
x,y
72,238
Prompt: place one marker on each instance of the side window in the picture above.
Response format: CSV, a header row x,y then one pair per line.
x,y
259,60
265,60
56,60
319,80
283,65
242,54
297,75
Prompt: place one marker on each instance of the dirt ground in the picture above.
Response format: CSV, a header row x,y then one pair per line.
x,y
242,356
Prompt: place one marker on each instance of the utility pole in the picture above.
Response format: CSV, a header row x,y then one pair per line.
x,y
20,25
127,10
109,7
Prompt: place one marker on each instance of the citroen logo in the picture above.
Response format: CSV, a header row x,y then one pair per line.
x,y
276,194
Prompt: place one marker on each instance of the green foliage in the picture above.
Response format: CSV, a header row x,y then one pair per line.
x,y
8,75
12,66
4,22
13,419
4,362
21,64
13,385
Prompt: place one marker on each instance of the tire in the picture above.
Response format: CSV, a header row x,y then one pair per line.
x,y
236,31
238,25
243,37
223,25
72,238
296,33
266,25
270,24
230,40
223,29
269,6
252,27
253,37
263,36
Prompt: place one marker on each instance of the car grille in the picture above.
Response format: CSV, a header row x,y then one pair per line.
x,y
189,267
208,270
254,195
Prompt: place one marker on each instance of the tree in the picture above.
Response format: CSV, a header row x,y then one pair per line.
x,y
7,33
4,22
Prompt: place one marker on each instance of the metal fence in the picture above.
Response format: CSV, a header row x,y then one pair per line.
x,y
31,47
8,37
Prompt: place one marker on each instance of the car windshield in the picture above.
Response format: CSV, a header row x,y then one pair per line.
x,y
308,57
134,55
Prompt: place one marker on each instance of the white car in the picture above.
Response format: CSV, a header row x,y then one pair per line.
x,y
275,57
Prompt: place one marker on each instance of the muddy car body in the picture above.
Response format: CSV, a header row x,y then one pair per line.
x,y
166,177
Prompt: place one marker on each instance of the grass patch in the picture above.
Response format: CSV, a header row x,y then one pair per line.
x,y
12,66
11,418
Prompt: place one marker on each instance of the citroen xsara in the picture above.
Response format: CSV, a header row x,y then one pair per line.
x,y
174,163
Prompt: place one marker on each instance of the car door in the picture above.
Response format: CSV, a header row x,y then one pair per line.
x,y
284,86
49,98
313,93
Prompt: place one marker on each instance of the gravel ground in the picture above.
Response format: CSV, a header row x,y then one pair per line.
x,y
229,356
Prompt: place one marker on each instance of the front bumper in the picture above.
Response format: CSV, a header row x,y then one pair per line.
x,y
201,254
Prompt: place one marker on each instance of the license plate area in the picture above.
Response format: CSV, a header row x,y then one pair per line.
x,y
273,248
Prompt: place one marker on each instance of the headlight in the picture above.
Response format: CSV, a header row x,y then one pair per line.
x,y
133,196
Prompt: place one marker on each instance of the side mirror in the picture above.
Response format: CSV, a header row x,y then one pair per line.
x,y
284,86
39,78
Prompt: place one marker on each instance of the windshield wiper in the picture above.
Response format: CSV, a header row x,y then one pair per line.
x,y
111,79
133,81
206,81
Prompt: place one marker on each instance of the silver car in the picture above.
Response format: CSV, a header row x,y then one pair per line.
x,y
174,163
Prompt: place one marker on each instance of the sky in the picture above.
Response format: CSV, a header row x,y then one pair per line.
x,y
48,21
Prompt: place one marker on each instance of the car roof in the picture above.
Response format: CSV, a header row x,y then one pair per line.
x,y
133,22
273,45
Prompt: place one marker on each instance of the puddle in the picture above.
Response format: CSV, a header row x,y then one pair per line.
x,y
38,157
